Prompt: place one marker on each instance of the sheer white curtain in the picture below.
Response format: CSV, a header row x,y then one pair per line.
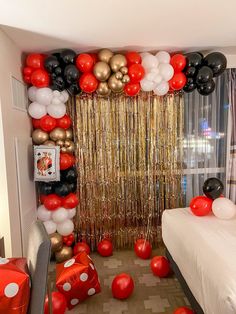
x,y
205,137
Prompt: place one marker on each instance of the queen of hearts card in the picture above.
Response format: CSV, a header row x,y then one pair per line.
x,y
46,163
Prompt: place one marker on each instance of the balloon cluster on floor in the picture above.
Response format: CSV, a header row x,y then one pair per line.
x,y
213,201
105,72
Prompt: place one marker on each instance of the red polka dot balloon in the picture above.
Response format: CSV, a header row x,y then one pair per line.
x,y
122,286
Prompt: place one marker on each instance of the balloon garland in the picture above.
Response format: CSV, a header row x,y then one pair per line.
x,y
105,72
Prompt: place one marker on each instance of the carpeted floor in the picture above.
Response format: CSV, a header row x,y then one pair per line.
x,y
151,294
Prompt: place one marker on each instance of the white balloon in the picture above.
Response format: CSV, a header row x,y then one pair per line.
x,y
44,96
157,79
56,93
224,208
163,57
32,93
143,54
56,101
50,226
65,94
71,213
162,88
43,213
155,70
149,62
65,228
166,71
36,110
60,215
147,85
57,111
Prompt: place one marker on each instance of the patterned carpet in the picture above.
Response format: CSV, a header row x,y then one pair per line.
x,y
151,294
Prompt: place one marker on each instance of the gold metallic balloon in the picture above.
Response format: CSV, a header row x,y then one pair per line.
x,y
39,136
70,146
102,71
63,149
64,254
124,70
49,143
103,89
105,55
69,134
119,75
56,242
126,79
60,143
115,85
58,134
117,62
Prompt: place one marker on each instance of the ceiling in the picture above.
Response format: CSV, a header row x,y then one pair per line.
x,y
120,24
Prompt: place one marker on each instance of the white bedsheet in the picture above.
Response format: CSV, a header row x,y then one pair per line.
x,y
204,248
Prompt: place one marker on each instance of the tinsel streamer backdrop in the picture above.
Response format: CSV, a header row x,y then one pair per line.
x,y
129,154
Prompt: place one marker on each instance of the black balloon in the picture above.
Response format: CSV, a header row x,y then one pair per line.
x,y
204,75
71,73
69,175
71,187
206,88
58,83
213,188
194,59
74,88
68,56
217,62
46,188
190,85
58,71
190,72
50,63
61,189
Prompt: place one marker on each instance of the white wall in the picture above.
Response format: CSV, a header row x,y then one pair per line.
x,y
14,126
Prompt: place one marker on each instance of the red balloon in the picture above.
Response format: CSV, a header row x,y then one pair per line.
x,y
122,286
27,79
133,57
178,81
132,89
40,78
160,266
64,122
66,161
136,73
178,62
35,60
81,247
58,303
68,240
95,57
47,123
88,83
201,205
85,62
70,201
183,310
105,248
42,198
52,201
27,71
143,248
36,123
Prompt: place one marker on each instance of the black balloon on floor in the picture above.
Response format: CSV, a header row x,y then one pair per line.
x,y
204,75
190,85
213,188
206,88
217,62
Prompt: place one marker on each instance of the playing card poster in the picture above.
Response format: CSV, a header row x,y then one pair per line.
x,y
46,163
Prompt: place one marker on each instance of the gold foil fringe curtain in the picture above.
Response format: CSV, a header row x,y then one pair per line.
x,y
129,159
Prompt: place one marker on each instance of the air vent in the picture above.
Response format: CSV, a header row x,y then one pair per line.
x,y
19,94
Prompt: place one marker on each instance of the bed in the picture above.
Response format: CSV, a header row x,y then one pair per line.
x,y
203,251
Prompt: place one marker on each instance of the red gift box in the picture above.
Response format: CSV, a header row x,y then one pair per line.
x,y
77,279
14,286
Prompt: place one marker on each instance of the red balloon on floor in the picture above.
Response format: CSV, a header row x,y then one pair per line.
x,y
52,201
201,205
143,248
70,201
81,247
122,286
160,266
47,123
183,310
105,248
58,303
